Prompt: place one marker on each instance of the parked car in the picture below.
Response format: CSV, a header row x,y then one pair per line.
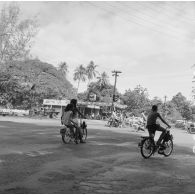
x,y
180,124
190,127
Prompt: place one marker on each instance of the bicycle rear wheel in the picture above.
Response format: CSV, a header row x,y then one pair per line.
x,y
147,148
66,136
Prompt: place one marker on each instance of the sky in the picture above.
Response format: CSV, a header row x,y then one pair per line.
x,y
151,43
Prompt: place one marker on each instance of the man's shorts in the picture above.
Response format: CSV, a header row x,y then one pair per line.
x,y
153,128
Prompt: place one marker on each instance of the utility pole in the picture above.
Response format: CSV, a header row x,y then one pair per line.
x,y
165,105
165,99
115,73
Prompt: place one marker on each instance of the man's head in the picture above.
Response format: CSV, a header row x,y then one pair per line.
x,y
154,108
69,107
74,102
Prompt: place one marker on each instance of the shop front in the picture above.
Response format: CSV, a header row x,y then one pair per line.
x,y
92,110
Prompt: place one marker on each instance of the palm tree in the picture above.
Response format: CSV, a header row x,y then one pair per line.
x,y
91,72
80,75
63,68
103,80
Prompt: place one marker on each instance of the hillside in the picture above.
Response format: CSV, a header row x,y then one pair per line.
x,y
41,79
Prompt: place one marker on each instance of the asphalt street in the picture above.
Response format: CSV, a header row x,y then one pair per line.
x,y
33,159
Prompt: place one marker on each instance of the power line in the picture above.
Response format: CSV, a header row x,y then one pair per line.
x,y
155,11
148,22
135,21
169,14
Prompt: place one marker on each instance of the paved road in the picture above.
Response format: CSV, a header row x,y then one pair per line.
x,y
34,160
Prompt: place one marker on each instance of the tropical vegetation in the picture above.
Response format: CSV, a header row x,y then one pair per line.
x,y
25,82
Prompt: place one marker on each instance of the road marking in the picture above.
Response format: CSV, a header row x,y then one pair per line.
x,y
37,153
111,144
193,149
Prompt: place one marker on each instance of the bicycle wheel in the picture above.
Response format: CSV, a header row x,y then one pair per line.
x,y
66,137
108,124
84,132
168,147
147,148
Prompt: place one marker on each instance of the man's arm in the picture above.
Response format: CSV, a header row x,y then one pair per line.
x,y
164,121
80,113
72,121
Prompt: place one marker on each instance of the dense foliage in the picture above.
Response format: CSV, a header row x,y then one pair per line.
x,y
102,88
25,82
15,34
28,82
177,108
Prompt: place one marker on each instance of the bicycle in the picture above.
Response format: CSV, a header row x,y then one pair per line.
x,y
113,123
148,146
70,136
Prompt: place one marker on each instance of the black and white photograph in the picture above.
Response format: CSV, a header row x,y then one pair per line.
x,y
97,97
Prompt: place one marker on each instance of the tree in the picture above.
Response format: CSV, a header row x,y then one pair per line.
x,y
83,96
187,111
103,80
9,87
103,93
63,68
156,101
31,81
91,72
80,75
15,34
15,43
179,100
136,99
182,105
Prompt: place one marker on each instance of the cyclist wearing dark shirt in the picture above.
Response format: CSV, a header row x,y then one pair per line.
x,y
152,126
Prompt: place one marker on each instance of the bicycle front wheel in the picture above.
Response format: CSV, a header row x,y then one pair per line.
x,y
147,148
168,147
84,132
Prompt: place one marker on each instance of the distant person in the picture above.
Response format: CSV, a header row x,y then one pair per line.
x,y
114,116
144,119
152,126
92,116
144,116
121,119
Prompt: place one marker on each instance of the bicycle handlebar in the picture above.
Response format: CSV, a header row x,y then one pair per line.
x,y
168,128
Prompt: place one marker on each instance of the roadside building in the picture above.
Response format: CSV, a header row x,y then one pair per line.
x,y
100,110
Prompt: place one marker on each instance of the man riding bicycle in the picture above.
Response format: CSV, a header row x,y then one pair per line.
x,y
152,126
